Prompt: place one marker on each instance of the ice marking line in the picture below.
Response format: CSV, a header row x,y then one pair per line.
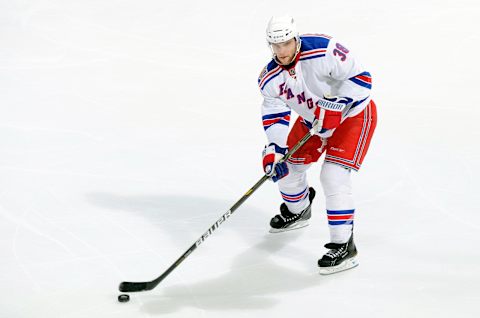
x,y
108,262
88,245
35,284
31,228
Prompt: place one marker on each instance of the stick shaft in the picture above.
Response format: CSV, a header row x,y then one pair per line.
x,y
140,286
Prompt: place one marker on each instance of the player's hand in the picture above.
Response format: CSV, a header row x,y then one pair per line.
x,y
271,155
329,113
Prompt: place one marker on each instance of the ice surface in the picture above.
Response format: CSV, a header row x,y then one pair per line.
x,y
128,127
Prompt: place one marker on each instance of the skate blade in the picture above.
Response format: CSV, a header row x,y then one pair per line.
x,y
295,226
345,265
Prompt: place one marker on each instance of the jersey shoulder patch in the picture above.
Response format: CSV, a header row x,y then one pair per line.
x,y
268,73
262,74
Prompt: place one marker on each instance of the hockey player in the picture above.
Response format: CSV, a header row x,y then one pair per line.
x,y
320,79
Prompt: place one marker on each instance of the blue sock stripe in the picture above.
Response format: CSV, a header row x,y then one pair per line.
x,y
340,212
340,222
293,195
294,198
293,201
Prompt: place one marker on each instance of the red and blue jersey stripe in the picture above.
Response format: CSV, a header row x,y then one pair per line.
x,y
312,54
363,79
272,70
279,118
313,46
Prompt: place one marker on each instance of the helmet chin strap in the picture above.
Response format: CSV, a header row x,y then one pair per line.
x,y
297,50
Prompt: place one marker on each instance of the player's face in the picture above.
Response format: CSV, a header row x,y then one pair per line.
x,y
285,51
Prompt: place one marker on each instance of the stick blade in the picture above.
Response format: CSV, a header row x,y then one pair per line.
x,y
133,287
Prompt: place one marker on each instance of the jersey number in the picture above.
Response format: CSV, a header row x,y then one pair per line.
x,y
341,51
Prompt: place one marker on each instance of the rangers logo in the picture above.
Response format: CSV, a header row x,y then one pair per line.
x,y
292,73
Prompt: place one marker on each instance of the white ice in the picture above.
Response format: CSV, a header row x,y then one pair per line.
x,y
128,127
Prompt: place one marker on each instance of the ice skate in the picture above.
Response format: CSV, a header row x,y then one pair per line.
x,y
339,258
286,220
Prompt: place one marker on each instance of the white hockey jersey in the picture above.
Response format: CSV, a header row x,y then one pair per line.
x,y
323,66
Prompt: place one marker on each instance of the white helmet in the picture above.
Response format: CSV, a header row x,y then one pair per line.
x,y
281,29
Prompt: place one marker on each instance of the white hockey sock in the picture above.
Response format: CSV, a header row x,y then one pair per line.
x,y
294,188
337,188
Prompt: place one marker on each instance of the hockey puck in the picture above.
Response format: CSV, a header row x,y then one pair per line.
x,y
123,298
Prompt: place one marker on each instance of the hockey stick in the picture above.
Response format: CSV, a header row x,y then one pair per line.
x,y
142,286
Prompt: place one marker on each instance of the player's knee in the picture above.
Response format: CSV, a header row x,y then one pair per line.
x,y
296,175
335,179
